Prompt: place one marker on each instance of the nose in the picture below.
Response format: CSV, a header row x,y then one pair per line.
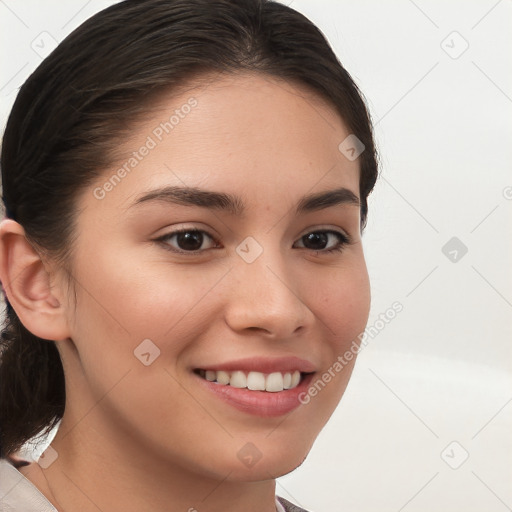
x,y
265,298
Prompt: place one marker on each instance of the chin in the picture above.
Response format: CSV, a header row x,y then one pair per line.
x,y
279,463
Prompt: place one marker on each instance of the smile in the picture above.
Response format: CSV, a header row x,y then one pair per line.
x,y
255,381
261,386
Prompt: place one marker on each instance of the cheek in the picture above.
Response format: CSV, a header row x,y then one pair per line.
x,y
124,305
126,302
142,299
340,298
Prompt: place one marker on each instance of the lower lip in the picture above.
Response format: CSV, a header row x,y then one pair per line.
x,y
259,403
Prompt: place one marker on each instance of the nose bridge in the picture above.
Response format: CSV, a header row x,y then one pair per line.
x,y
265,294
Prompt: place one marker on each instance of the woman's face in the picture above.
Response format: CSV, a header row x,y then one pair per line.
x,y
255,286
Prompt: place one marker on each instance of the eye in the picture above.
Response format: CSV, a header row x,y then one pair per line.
x,y
318,240
191,241
187,240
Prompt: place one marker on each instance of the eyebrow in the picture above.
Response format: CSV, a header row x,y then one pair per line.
x,y
192,196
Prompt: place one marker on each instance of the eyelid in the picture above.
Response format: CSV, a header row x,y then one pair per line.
x,y
328,229
344,239
185,229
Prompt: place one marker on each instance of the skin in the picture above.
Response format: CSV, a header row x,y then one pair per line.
x,y
136,437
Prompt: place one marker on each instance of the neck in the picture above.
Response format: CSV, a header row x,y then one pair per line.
x,y
119,474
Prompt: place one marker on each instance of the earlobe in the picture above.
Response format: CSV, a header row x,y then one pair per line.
x,y
27,284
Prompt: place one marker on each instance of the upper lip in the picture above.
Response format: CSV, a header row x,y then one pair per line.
x,y
264,365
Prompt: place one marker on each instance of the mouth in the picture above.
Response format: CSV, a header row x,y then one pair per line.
x,y
274,382
270,393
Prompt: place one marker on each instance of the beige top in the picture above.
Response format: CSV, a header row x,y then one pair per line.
x,y
19,494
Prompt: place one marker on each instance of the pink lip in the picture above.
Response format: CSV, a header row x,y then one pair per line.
x,y
264,365
261,403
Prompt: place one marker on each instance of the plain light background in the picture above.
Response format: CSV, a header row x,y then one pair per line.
x,y
425,423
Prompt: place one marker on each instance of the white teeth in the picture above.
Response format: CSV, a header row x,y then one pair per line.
x,y
255,381
275,382
222,377
238,380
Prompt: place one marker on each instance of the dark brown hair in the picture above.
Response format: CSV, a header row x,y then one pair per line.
x,y
77,106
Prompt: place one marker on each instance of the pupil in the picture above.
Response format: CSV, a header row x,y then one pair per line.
x,y
190,240
315,238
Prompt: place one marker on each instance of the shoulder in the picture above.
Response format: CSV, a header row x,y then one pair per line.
x,y
19,490
288,506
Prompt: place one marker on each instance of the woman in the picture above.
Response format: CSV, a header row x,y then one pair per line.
x,y
185,185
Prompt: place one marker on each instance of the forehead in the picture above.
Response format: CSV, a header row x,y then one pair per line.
x,y
249,133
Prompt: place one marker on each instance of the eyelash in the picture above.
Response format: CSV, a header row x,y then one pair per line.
x,y
343,240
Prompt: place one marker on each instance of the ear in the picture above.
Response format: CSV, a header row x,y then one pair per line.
x,y
27,284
